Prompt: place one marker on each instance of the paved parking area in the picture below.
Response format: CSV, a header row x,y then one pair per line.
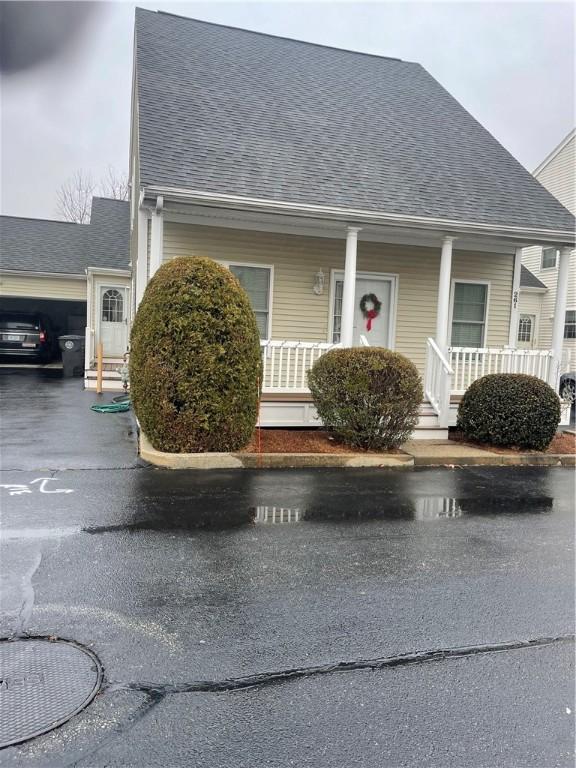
x,y
234,632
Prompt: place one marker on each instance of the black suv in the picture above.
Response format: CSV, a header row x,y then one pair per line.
x,y
27,336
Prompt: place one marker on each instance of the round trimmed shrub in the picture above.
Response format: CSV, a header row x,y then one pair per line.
x,y
195,359
510,409
367,396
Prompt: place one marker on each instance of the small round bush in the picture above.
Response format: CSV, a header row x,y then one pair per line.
x,y
367,396
195,359
510,409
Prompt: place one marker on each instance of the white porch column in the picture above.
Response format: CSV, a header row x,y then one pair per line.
x,y
559,313
515,308
156,237
443,307
349,288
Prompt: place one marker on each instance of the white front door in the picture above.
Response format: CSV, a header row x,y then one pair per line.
x,y
526,330
113,320
372,319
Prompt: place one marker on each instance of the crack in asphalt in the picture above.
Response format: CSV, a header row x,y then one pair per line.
x,y
28,595
270,678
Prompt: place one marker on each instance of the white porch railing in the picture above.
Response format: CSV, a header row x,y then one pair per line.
x,y
437,381
88,338
470,364
286,364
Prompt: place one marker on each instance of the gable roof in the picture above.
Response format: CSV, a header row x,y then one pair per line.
x,y
529,280
228,111
39,245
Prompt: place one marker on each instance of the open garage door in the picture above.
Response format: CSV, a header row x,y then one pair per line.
x,y
65,316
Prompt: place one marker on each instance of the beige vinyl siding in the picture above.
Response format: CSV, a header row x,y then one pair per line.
x,y
559,178
43,287
299,314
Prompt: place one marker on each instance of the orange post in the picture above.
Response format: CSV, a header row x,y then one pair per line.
x,y
99,367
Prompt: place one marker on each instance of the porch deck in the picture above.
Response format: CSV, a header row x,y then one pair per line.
x,y
286,399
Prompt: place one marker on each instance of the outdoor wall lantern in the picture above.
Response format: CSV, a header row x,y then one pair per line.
x,y
319,283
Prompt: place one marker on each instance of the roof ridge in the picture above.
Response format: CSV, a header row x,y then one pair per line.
x,y
274,37
48,221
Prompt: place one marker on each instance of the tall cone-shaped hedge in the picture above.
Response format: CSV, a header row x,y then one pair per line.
x,y
195,359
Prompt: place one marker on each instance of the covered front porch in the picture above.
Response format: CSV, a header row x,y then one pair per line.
x,y
449,369
447,297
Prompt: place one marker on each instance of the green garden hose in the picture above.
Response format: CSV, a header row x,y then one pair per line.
x,y
118,404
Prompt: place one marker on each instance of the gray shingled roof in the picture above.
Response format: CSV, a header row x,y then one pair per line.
x,y
529,280
225,110
37,245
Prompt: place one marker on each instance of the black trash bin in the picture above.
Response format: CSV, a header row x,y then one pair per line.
x,y
72,355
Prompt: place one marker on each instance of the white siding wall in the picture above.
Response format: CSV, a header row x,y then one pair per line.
x,y
559,177
297,313
43,287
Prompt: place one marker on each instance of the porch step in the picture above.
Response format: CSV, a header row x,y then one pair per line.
x,y
111,380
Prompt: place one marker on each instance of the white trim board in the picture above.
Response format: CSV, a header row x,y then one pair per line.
x,y
332,230
358,216
48,275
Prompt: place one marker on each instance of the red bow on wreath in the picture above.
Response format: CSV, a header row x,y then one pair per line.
x,y
371,315
370,307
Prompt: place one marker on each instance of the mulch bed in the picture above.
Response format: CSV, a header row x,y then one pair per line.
x,y
300,441
561,444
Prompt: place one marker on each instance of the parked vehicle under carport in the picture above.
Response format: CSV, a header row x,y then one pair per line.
x,y
27,336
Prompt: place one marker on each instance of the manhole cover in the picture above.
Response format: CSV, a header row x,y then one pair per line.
x,y
42,684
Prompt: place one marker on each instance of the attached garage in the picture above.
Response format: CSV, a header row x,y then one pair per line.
x,y
62,299
68,271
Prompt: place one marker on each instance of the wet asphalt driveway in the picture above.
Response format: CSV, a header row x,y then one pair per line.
x,y
255,618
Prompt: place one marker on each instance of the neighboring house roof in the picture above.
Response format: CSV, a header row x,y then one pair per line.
x,y
229,111
38,245
529,280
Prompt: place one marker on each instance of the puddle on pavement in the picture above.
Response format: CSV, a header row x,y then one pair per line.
x,y
277,515
419,509
425,508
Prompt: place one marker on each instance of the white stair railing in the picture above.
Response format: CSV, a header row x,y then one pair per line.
x,y
470,364
88,336
438,381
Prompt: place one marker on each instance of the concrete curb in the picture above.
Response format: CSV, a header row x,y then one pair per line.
x,y
398,460
499,460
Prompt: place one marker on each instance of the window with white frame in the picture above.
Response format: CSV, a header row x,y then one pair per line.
x,y
112,306
256,283
570,324
525,328
549,256
469,314
337,316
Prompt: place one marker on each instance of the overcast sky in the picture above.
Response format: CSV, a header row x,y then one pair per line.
x,y
510,64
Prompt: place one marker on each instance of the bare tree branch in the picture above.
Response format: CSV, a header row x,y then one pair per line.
x,y
74,198
114,185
